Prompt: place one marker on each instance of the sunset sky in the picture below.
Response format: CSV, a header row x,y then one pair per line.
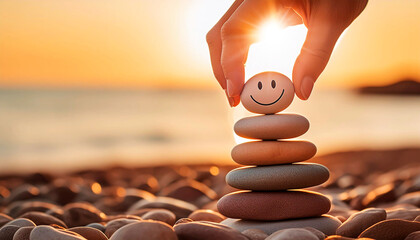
x,y
102,43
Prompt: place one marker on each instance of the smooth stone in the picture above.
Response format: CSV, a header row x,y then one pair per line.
x,y
207,231
273,205
23,233
7,232
183,220
112,226
4,219
98,226
255,234
272,152
292,234
206,215
276,126
152,229
278,177
89,233
180,208
20,222
391,229
81,214
40,218
162,215
360,221
413,236
410,198
47,232
267,93
326,224
404,214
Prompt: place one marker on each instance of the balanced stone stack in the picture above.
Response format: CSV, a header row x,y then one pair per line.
x,y
272,180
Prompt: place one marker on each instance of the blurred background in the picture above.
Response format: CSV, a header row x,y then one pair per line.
x,y
98,83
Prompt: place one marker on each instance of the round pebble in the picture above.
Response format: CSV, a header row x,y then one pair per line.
x,y
180,208
152,229
276,126
404,214
7,232
112,226
89,233
391,229
255,234
206,215
292,234
40,218
23,233
326,224
273,205
278,177
21,222
48,232
267,93
81,214
162,215
360,221
413,236
207,231
272,152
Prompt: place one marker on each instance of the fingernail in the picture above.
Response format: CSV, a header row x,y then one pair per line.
x,y
230,87
306,87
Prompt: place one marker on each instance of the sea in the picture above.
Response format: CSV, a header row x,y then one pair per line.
x,y
72,129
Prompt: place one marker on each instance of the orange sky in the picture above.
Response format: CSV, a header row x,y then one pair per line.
x,y
125,43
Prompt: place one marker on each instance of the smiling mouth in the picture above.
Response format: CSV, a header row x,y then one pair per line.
x,y
268,104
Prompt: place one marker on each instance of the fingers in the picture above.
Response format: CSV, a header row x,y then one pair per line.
x,y
214,41
313,58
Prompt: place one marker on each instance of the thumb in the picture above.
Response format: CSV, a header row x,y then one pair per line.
x,y
313,58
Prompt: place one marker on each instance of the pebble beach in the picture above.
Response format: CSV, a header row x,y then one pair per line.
x,y
374,195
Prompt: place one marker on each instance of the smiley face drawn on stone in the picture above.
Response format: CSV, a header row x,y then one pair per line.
x,y
267,93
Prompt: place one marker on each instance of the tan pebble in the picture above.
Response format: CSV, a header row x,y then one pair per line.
x,y
206,215
180,208
162,215
255,234
405,214
40,218
152,229
7,232
277,126
23,233
207,231
48,232
267,93
413,236
89,233
81,214
272,152
278,177
391,229
360,221
21,222
112,226
183,220
292,234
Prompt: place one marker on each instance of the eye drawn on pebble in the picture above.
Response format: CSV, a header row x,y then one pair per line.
x,y
267,93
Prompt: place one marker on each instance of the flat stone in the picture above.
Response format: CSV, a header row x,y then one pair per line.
x,y
47,232
292,234
81,214
360,221
391,229
180,208
404,214
326,224
7,232
151,230
255,234
413,236
276,126
206,215
273,205
278,177
162,215
40,218
272,152
207,231
20,222
89,233
23,233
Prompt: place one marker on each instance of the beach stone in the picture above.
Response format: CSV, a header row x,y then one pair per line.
x,y
112,226
385,193
292,234
183,220
273,205
412,198
207,231
152,229
48,232
360,221
180,208
191,191
23,233
267,93
7,232
89,233
391,229
40,218
21,222
413,236
405,214
32,206
278,177
326,224
272,152
4,219
23,192
276,126
162,215
255,234
206,215
81,214
62,192
98,226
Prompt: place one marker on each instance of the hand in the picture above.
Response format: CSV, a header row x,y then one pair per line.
x,y
229,40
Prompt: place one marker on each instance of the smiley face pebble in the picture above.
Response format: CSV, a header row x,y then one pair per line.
x,y
267,93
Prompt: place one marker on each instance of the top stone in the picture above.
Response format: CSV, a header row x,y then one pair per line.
x,y
267,93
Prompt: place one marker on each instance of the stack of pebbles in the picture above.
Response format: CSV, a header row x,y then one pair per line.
x,y
272,197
